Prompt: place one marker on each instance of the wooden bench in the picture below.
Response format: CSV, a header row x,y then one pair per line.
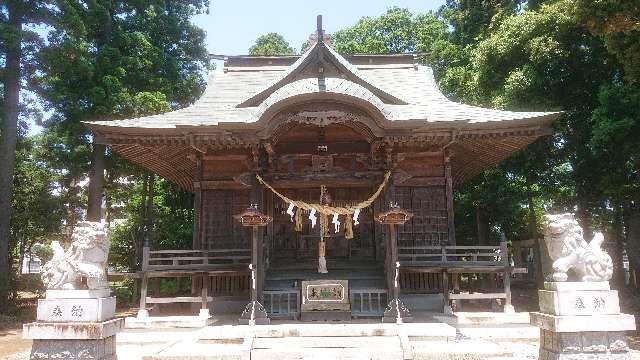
x,y
456,260
201,264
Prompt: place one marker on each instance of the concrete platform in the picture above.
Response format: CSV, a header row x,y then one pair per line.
x,y
494,318
168,322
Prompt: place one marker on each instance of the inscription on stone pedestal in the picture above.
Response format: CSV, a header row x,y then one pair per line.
x,y
318,295
579,302
80,310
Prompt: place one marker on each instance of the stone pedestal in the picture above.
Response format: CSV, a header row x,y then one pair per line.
x,y
325,300
74,324
581,320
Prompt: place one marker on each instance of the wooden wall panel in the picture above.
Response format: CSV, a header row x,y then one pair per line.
x,y
429,224
219,229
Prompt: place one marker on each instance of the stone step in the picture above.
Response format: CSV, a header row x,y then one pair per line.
x,y
333,273
198,351
325,354
326,342
302,330
500,331
168,322
458,349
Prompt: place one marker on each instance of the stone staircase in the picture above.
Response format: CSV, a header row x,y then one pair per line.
x,y
363,341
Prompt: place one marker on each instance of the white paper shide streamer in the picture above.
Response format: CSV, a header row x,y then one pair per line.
x,y
355,216
336,223
290,211
313,218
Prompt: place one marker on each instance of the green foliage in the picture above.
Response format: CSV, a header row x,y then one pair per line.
x,y
125,291
271,44
617,23
523,56
37,209
614,121
172,223
392,32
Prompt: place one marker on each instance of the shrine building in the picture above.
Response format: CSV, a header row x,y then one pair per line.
x,y
322,121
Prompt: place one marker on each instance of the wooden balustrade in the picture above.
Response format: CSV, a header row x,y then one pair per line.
x,y
227,268
436,256
368,302
160,260
282,303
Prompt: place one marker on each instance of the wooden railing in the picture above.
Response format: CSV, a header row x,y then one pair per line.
x,y
282,303
159,260
201,266
451,261
368,302
436,256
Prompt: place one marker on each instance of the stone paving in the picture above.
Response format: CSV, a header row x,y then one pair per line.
x,y
295,340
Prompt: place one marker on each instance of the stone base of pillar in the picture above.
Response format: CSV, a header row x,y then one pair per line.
x,y
254,314
592,345
74,324
96,349
397,312
204,313
581,320
69,340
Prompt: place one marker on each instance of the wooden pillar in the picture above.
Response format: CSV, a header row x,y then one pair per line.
x,y
449,195
445,279
391,244
255,260
144,282
445,292
393,259
198,242
204,292
257,248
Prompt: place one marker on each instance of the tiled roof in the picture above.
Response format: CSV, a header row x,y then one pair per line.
x,y
400,91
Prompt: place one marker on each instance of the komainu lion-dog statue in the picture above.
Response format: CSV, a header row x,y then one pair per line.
x,y
85,258
569,250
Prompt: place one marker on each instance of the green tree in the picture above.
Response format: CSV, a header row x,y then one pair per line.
x,y
271,44
18,45
37,207
390,33
110,60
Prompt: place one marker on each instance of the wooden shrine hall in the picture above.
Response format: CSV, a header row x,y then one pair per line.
x,y
334,123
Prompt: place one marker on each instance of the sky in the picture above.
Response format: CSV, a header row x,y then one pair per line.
x,y
233,26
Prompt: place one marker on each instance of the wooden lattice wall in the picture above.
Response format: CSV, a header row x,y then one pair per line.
x,y
428,226
218,228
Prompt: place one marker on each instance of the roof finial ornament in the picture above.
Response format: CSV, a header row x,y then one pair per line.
x,y
319,30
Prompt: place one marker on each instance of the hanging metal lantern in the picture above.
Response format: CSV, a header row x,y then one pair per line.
x,y
394,216
252,216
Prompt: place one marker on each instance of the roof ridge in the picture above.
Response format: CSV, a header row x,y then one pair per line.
x,y
322,53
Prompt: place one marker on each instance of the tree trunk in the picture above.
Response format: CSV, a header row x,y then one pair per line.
x,y
96,183
535,235
615,240
632,221
96,175
482,223
8,139
148,221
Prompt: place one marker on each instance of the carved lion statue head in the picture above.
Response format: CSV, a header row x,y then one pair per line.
x,y
562,233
